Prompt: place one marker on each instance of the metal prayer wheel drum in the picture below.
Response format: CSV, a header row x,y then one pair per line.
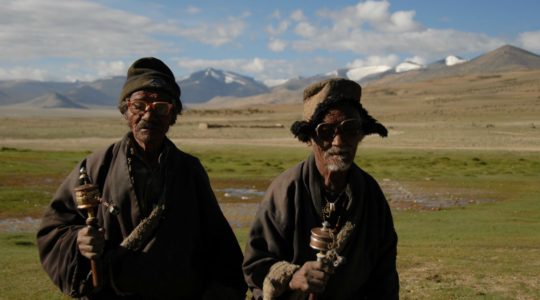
x,y
87,196
321,238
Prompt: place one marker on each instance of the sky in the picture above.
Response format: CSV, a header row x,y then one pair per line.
x,y
271,41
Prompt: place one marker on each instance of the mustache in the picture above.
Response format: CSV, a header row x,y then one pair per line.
x,y
334,150
143,124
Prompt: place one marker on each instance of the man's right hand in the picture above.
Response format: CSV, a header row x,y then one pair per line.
x,y
91,242
311,277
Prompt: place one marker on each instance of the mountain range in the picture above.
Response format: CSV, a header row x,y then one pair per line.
x,y
221,88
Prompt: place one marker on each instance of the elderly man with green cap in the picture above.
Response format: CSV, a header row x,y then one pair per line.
x,y
158,232
324,228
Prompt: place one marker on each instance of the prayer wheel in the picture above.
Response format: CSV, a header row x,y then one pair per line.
x,y
88,198
322,239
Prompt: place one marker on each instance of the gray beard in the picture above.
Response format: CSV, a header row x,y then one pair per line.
x,y
337,162
338,166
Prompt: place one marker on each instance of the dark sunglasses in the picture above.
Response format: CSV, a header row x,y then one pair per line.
x,y
160,108
350,128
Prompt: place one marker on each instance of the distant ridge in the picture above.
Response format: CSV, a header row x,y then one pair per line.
x,y
87,95
225,88
53,100
21,90
503,59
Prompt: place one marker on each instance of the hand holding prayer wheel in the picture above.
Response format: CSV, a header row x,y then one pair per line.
x,y
321,239
90,239
313,275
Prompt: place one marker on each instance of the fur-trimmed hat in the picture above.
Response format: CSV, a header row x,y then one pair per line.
x,y
319,97
152,74
333,88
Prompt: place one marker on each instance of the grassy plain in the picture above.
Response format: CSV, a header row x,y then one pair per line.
x,y
487,248
460,168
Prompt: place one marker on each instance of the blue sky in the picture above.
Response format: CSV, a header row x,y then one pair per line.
x,y
67,40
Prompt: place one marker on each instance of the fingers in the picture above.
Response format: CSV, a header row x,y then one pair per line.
x,y
91,242
311,277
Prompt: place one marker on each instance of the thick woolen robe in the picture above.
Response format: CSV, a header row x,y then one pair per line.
x,y
193,250
292,207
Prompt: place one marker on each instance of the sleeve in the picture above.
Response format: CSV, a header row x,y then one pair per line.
x,y
384,281
224,263
268,250
57,241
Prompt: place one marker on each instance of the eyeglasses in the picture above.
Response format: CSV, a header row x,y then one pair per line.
x,y
348,129
160,108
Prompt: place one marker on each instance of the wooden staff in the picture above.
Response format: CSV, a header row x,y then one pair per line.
x,y
322,240
88,198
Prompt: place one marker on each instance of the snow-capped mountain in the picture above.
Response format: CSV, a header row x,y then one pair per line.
x,y
503,59
210,83
449,61
358,73
204,85
454,60
408,66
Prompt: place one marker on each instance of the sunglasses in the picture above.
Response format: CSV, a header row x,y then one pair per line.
x,y
348,129
160,108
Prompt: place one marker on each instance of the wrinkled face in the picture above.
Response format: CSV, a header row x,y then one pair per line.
x,y
336,139
149,116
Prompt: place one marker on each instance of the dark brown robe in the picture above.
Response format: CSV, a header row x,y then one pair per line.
x,y
292,207
192,252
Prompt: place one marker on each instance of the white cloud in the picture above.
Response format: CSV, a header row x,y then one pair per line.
x,y
111,68
374,11
370,28
306,30
256,65
274,82
429,43
192,10
279,29
530,40
417,60
375,60
91,70
86,70
277,45
276,14
402,21
23,73
297,16
245,14
261,69
36,28
84,29
213,34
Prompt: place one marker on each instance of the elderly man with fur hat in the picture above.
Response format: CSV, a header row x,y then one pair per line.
x,y
158,232
357,242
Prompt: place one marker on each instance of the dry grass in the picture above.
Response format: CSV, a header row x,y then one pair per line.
x,y
499,112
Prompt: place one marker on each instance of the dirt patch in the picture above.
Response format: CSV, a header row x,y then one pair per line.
x,y
27,224
403,197
240,200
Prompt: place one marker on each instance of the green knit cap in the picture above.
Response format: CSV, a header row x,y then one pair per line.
x,y
150,73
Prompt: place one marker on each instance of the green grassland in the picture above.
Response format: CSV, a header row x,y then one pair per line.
x,y
484,250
